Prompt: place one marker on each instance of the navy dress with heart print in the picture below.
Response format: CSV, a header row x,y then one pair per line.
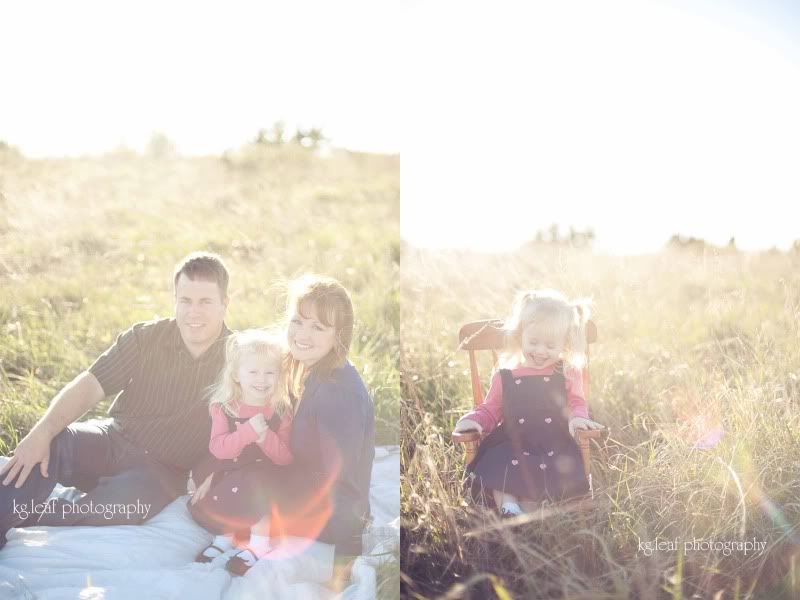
x,y
242,490
531,454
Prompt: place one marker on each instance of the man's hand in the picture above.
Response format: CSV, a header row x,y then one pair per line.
x,y
467,425
78,396
581,423
201,491
32,450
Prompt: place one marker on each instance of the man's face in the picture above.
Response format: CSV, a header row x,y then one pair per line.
x,y
199,311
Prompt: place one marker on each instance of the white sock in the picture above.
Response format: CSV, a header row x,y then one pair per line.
x,y
223,542
511,508
259,544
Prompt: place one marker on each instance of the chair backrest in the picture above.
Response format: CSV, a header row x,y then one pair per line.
x,y
490,335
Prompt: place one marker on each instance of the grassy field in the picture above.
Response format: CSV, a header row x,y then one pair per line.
x,y
87,247
687,340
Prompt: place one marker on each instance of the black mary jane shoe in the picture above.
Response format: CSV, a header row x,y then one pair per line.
x,y
238,566
202,558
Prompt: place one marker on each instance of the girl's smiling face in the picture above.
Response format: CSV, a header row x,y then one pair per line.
x,y
309,338
257,375
540,347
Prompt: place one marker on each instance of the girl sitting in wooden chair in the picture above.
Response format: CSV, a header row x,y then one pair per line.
x,y
534,406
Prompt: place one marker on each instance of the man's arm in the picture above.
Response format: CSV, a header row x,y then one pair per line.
x,y
74,399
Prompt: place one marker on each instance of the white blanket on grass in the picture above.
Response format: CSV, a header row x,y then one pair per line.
x,y
155,560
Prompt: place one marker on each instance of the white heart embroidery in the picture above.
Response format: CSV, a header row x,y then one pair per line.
x,y
547,379
542,466
215,497
521,421
518,381
548,420
235,489
550,453
515,462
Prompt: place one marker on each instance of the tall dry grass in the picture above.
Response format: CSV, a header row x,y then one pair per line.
x,y
687,340
87,247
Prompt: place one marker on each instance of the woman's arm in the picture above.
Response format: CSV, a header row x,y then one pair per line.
x,y
345,429
336,424
342,433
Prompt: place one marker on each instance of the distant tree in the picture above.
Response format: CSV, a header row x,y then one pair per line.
x,y
274,135
7,150
573,237
160,146
581,239
553,230
309,138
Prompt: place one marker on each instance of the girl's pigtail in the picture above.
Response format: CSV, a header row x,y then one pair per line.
x,y
282,396
224,391
577,333
513,329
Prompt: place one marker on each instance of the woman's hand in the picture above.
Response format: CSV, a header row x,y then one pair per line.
x,y
582,423
201,491
467,425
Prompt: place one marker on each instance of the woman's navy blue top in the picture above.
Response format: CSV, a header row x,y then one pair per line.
x,y
333,438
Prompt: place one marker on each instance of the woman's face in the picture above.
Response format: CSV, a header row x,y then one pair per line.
x,y
309,339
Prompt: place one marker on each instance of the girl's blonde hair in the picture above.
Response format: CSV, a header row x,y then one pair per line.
x,y
334,308
227,392
556,317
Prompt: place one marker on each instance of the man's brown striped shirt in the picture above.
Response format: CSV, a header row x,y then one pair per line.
x,y
162,406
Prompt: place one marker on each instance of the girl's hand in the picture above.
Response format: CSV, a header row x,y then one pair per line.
x,y
581,423
467,425
259,423
201,491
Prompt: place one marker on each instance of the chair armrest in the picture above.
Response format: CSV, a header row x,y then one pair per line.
x,y
591,434
464,437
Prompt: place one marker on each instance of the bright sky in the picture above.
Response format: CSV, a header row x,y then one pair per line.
x,y
638,118
87,76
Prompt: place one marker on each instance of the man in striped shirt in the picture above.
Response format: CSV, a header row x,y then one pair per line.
x,y
159,426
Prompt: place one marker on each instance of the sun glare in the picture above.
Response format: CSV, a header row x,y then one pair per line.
x,y
93,76
636,119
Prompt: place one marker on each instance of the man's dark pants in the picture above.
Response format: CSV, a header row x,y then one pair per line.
x,y
95,458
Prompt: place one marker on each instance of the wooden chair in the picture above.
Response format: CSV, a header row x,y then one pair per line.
x,y
490,335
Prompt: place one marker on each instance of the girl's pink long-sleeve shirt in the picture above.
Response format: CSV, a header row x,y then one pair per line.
x,y
226,444
490,414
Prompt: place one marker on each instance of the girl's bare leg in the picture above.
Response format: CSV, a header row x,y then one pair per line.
x,y
259,537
